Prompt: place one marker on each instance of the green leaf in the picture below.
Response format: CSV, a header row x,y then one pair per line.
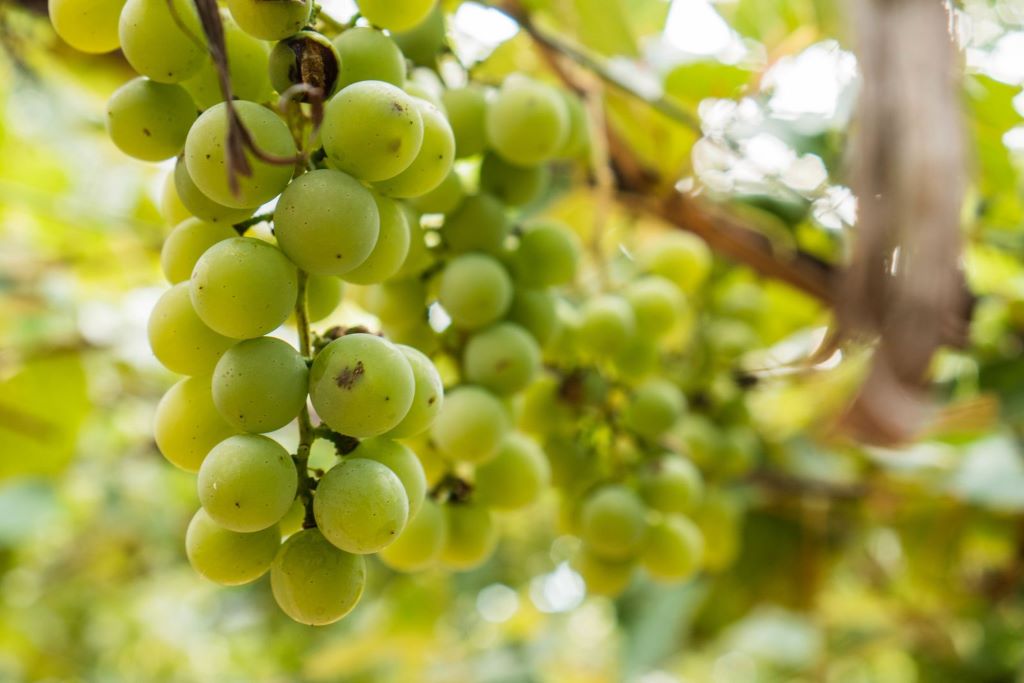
x,y
604,26
692,83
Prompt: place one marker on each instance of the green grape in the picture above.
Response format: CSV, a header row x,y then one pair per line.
x,y
528,122
361,506
422,43
398,301
657,303
470,536
372,130
604,577
171,209
323,295
565,345
433,162
402,461
578,140
534,310
187,424
701,439
327,222
514,185
148,120
271,19
392,246
740,452
160,44
228,557
639,358
478,224
570,462
613,522
206,155
243,287
681,257
247,483
187,243
548,255
720,521
247,66
444,198
467,114
419,546
361,385
542,410
475,290
503,358
471,426
369,55
396,15
607,323
259,385
419,336
419,257
516,477
654,407
180,340
201,206
293,520
671,484
427,400
313,582
674,549
307,58
87,25
424,93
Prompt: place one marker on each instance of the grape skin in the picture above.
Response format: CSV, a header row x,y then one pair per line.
x,y
419,257
673,550
247,66
514,185
528,122
400,459
228,557
471,426
392,246
516,477
607,324
654,407
423,42
470,536
535,311
602,576
148,120
428,398
186,243
201,206
503,358
323,295
419,546
671,485
475,290
187,425
444,198
477,224
434,160
369,55
680,257
361,506
613,522
467,115
270,19
180,340
154,43
87,25
396,15
313,582
658,304
172,210
259,385
548,255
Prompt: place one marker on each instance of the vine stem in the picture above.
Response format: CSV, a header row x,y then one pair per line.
x,y
307,434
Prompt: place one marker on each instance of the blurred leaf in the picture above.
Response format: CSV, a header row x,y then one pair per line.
x,y
604,26
691,83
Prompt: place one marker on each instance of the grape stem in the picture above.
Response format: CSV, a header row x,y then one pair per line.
x,y
242,226
307,434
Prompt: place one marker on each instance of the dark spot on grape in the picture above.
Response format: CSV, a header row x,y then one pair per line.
x,y
237,505
207,156
337,256
145,131
387,398
347,378
395,145
397,106
432,400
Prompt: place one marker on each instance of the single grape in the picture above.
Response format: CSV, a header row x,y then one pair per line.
x,y
313,582
548,255
228,557
639,358
419,546
657,303
471,426
423,42
271,19
516,477
323,295
171,209
148,120
434,160
396,15
294,519
160,42
307,58
259,385
654,407
369,55
671,484
475,290
372,130
186,243
614,522
680,257
528,122
419,257
428,398
392,246
503,358
201,206
361,385
419,336
187,425
444,198
577,142
514,185
478,224
180,340
243,287
604,577
206,155
361,506
327,222
467,114
542,411
470,536
398,302
402,461
247,66
674,549
247,483
535,311
607,324
87,25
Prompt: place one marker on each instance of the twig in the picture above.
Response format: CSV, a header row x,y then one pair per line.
x,y
306,432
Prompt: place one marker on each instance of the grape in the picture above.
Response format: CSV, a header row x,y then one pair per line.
x,y
396,15
149,120
327,222
613,522
478,224
293,520
701,439
535,311
428,398
606,325
313,582
398,301
392,246
503,358
243,287
467,114
577,142
681,257
548,255
360,506
179,339
528,122
444,198
228,557
433,161
570,462
271,19
247,66
154,42
187,425
419,257
201,206
308,58
260,385
422,43
674,549
87,25
654,407
639,358
471,426
514,185
247,483
542,411
419,546
323,294
186,243
470,536
419,336
671,484
720,521
402,461
657,303
372,130
475,290
516,477
361,385
206,155
369,55
171,209
602,576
